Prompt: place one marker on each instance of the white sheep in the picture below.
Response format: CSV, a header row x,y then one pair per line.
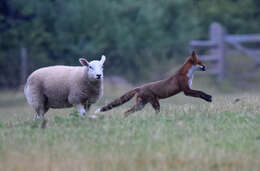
x,y
65,86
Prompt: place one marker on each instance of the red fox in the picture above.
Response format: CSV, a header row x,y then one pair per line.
x,y
151,92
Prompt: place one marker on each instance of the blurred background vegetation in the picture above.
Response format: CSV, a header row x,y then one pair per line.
x,y
139,38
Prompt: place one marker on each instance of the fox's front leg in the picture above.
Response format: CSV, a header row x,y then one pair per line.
x,y
199,94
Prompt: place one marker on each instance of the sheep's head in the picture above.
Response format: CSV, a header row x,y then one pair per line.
x,y
95,68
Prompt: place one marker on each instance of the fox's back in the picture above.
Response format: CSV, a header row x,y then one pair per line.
x,y
161,89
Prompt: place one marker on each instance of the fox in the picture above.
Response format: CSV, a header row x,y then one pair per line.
x,y
152,92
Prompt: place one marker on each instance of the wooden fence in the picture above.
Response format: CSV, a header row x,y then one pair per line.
x,y
24,65
218,38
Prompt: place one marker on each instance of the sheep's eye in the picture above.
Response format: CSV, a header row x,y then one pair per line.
x,y
90,67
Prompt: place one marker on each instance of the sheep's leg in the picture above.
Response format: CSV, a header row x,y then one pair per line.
x,y
87,107
40,111
81,109
37,101
36,116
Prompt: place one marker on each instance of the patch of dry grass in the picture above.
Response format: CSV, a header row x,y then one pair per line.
x,y
188,134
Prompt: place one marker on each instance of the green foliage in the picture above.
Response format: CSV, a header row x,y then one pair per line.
x,y
237,16
133,34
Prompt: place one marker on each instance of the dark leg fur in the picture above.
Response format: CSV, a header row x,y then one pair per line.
x,y
200,94
41,110
43,120
87,106
156,105
138,106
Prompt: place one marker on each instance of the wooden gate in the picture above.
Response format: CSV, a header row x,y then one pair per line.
x,y
217,48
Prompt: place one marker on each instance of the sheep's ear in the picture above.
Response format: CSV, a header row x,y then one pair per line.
x,y
103,59
83,61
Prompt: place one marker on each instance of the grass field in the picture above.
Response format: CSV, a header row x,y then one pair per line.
x,y
188,134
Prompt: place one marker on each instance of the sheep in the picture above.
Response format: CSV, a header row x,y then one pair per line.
x,y
65,86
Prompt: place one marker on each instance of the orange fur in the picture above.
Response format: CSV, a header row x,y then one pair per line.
x,y
152,92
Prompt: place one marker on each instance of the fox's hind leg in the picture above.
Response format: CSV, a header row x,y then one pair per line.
x,y
140,103
156,105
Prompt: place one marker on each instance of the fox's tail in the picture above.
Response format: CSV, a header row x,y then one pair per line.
x,y
119,101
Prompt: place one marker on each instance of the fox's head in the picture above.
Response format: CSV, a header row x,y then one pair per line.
x,y
196,62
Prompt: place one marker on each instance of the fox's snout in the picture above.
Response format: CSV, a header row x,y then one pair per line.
x,y
203,68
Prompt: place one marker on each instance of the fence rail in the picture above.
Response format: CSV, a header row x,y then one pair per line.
x,y
217,48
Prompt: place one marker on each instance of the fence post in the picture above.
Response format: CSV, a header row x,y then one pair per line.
x,y
217,35
24,65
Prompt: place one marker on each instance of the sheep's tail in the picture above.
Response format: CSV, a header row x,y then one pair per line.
x,y
119,101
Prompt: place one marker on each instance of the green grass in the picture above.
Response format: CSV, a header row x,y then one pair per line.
x,y
188,134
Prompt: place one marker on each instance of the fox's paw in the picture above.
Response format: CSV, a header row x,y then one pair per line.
x,y
208,98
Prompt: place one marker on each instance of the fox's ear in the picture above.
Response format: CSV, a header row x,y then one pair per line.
x,y
83,61
194,55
